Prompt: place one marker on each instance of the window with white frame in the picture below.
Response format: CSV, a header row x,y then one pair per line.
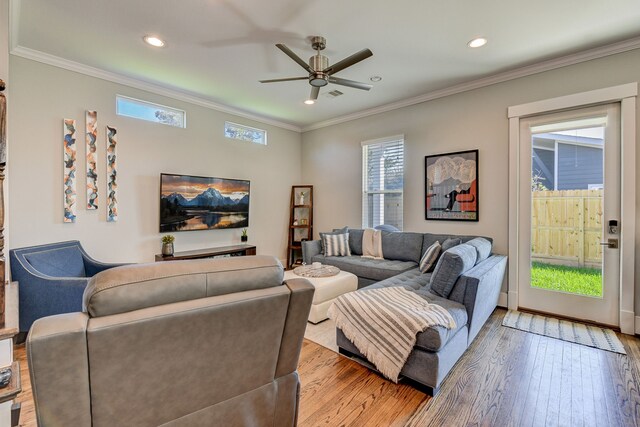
x,y
151,112
245,133
382,181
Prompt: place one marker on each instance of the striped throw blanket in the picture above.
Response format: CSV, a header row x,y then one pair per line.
x,y
384,323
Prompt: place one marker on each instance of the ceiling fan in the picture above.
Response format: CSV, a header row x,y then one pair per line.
x,y
320,72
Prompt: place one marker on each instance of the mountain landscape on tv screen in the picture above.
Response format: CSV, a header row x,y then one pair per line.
x,y
208,210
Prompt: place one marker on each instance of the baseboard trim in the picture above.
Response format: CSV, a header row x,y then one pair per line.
x,y
637,325
628,322
502,300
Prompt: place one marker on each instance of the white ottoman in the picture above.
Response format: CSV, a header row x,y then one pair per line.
x,y
327,289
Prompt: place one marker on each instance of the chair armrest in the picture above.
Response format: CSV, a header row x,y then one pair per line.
x,y
41,296
93,267
482,286
59,370
310,248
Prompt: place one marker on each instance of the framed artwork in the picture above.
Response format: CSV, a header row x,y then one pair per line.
x,y
451,186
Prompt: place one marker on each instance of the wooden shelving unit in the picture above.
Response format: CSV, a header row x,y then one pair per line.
x,y
300,222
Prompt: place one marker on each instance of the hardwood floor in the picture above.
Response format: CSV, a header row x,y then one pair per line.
x,y
507,378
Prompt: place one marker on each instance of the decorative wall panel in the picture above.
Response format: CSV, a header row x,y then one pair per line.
x,y
91,137
70,171
112,186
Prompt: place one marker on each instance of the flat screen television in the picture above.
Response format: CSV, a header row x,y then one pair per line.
x,y
202,203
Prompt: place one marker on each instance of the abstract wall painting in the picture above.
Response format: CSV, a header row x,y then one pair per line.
x,y
112,186
91,137
451,186
70,171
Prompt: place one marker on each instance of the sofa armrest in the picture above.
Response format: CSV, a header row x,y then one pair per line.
x,y
479,290
300,301
59,370
310,248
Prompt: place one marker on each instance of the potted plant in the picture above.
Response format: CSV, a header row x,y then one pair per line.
x,y
244,237
167,245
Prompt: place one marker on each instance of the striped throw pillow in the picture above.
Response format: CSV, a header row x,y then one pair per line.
x,y
428,260
336,244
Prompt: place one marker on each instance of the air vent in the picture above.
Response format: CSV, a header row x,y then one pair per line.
x,y
333,94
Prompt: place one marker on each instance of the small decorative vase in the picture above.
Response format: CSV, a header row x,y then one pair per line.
x,y
167,249
301,201
244,238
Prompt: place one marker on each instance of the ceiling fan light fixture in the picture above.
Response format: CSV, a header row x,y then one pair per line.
x,y
309,102
477,42
318,81
153,41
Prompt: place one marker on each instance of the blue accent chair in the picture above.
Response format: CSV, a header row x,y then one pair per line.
x,y
51,279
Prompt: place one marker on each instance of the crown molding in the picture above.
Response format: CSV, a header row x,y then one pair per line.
x,y
77,67
552,64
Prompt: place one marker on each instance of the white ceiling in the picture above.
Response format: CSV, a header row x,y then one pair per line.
x,y
217,50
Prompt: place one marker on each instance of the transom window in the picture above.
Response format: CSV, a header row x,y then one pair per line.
x,y
151,112
383,182
245,133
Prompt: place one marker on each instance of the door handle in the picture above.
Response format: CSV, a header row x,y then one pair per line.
x,y
610,243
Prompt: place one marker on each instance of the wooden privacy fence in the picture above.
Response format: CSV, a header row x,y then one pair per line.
x,y
566,227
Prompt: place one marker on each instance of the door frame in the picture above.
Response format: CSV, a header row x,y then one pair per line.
x,y
626,95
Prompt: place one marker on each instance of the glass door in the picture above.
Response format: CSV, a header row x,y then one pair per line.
x,y
569,213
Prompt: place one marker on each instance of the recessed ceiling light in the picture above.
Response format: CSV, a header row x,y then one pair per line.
x,y
479,42
375,78
309,102
153,41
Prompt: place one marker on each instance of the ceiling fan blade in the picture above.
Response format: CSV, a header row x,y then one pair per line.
x,y
314,92
288,79
295,57
349,61
350,83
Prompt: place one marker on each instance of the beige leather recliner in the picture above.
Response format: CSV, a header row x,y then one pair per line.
x,y
183,343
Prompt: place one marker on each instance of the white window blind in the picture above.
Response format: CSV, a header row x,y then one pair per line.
x,y
382,181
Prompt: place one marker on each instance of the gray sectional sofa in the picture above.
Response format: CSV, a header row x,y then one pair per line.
x,y
471,300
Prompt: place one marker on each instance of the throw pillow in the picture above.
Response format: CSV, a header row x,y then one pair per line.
x,y
386,227
453,263
336,244
335,231
450,243
483,248
430,257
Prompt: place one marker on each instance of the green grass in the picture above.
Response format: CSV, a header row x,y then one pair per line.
x,y
576,280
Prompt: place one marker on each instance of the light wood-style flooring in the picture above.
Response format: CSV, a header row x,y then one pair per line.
x,y
507,378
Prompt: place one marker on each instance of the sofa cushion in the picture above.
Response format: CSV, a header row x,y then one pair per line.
x,y
336,244
368,268
58,262
435,337
450,243
430,238
428,260
483,248
402,246
355,240
136,286
451,265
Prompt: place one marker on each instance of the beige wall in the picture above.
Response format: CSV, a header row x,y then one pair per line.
x,y
42,96
331,157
